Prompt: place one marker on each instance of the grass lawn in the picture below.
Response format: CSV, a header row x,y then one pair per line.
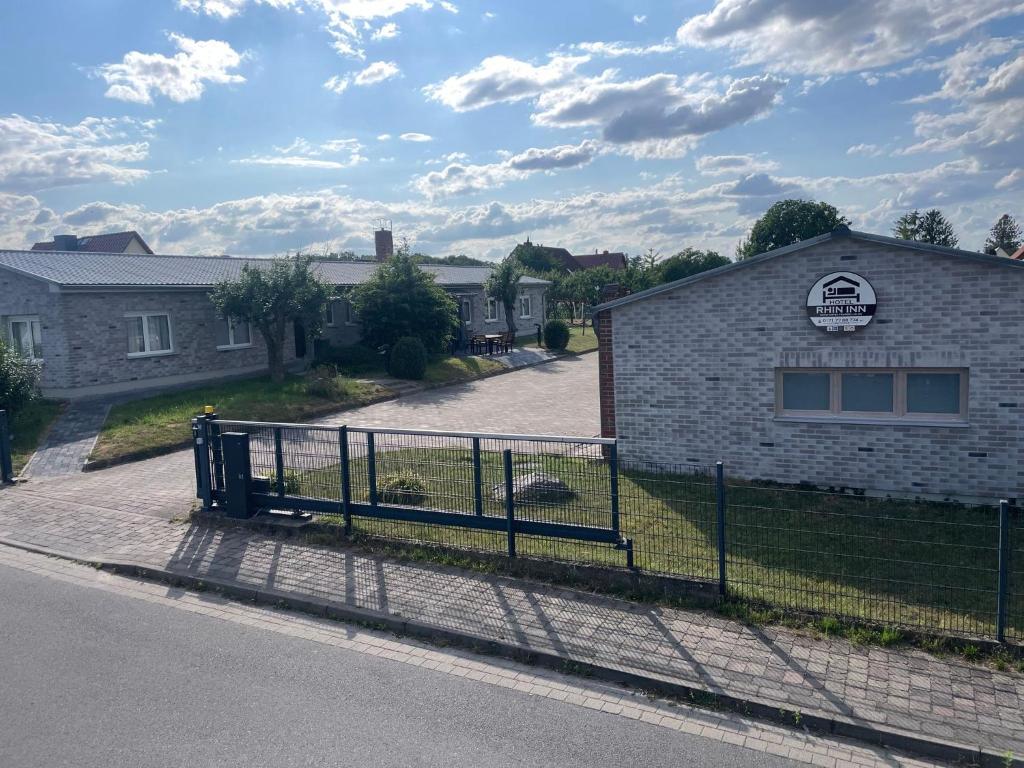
x,y
163,422
580,340
29,428
909,564
444,369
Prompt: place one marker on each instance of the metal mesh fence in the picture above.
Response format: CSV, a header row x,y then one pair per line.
x,y
907,563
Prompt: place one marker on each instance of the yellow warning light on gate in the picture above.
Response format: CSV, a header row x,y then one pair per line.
x,y
208,409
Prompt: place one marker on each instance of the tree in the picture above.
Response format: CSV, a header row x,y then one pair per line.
x,y
1005,234
503,286
399,300
285,291
930,227
687,262
787,222
537,258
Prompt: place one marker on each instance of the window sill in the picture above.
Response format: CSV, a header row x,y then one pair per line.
x,y
230,347
135,355
491,321
874,422
526,317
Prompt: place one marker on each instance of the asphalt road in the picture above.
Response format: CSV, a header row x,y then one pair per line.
x,y
93,678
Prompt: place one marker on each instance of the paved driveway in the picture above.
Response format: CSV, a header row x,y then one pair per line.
x,y
556,398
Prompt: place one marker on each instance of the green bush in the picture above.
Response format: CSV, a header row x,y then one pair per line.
x,y
351,360
556,335
408,359
403,488
19,381
324,381
292,482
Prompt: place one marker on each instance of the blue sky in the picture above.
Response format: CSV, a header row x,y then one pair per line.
x,y
266,126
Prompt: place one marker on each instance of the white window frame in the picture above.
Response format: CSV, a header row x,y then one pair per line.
x,y
899,413
467,310
25,319
491,310
231,335
145,334
528,299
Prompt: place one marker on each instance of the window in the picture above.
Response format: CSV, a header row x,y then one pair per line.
x,y
909,394
149,334
329,313
525,307
26,337
351,318
467,311
491,313
233,334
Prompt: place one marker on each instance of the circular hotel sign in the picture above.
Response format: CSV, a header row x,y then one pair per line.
x,y
841,301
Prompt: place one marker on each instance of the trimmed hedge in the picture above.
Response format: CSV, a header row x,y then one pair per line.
x,y
556,335
408,359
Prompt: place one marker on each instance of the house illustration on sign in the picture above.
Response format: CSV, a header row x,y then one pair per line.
x,y
840,288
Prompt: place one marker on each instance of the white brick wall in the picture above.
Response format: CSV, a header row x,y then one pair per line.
x,y
695,372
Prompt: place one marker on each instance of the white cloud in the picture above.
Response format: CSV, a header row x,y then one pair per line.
x,y
618,50
820,38
384,137
658,115
450,7
302,153
181,77
459,178
416,137
737,165
385,31
865,150
377,72
39,154
337,84
640,19
502,79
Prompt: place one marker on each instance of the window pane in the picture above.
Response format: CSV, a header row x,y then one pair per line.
x,y
805,391
867,392
933,393
136,342
37,339
242,333
222,337
329,313
159,333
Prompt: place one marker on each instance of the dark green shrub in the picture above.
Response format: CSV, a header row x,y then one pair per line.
x,y
324,381
403,488
351,360
19,380
556,335
292,482
408,359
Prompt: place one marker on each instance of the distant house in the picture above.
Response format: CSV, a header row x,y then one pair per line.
x,y
111,322
110,242
616,260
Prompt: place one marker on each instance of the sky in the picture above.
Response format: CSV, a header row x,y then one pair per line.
x,y
261,127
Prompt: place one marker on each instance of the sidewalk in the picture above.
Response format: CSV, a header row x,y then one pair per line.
x,y
833,685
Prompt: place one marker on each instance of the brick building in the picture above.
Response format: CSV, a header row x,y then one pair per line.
x,y
850,360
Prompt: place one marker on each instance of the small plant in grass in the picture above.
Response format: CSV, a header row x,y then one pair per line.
x,y
292,481
830,625
408,359
971,652
323,381
403,488
890,636
556,335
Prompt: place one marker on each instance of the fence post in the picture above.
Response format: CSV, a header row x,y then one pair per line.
x,y
346,479
478,492
371,468
6,453
201,449
237,474
720,499
613,478
216,450
1004,569
279,461
510,505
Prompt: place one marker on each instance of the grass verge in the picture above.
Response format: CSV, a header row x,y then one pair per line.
x,y
30,427
162,422
580,340
447,369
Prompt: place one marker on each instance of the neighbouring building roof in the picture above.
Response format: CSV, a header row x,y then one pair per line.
x,y
838,232
78,269
614,260
110,242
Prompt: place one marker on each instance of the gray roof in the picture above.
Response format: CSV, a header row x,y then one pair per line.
x,y
77,269
838,232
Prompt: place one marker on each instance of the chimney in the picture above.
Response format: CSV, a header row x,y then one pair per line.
x,y
383,240
65,242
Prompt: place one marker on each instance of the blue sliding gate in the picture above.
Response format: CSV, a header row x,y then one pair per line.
x,y
547,488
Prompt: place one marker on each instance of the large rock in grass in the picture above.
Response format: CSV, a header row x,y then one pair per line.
x,y
535,488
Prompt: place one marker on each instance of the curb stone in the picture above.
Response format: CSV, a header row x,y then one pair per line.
x,y
695,695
